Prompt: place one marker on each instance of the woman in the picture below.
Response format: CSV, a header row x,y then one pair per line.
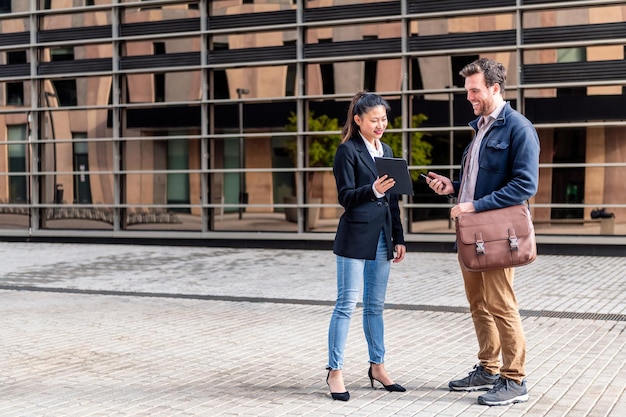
x,y
368,234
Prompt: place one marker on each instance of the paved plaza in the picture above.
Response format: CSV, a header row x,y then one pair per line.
x,y
121,330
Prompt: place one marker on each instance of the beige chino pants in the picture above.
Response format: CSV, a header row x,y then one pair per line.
x,y
497,321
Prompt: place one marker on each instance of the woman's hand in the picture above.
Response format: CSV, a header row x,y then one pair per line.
x,y
400,252
384,183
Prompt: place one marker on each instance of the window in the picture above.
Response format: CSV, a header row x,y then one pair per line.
x,y
328,74
62,54
290,80
416,75
65,88
369,75
15,91
82,188
66,92
17,164
568,183
571,55
178,183
149,7
458,63
16,57
220,79
5,6
369,70
159,78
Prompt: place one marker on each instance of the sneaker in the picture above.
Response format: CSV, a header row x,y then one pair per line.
x,y
477,380
505,392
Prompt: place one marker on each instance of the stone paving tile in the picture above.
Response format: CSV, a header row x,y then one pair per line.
x,y
553,283
69,354
72,354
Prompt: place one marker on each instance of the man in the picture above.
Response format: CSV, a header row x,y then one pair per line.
x,y
499,168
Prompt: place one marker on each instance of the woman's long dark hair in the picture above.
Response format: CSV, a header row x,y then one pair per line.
x,y
361,103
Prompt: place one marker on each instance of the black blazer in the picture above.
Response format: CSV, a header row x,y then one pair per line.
x,y
365,215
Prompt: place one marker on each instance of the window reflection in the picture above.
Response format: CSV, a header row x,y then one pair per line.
x,y
229,121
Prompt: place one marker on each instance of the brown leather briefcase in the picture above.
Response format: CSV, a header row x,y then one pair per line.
x,y
494,239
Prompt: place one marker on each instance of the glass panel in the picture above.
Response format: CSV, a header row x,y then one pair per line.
x,y
579,54
573,16
14,183
222,7
259,81
164,87
462,24
82,184
245,200
575,103
320,188
613,187
161,218
158,47
17,161
347,77
13,214
322,192
178,182
61,122
166,194
14,94
77,153
442,73
5,6
62,211
436,151
76,52
15,25
320,3
284,182
176,7
76,20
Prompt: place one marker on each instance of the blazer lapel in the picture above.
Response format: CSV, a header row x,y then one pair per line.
x,y
365,155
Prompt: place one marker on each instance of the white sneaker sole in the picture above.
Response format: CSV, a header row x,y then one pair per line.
x,y
485,387
470,389
518,399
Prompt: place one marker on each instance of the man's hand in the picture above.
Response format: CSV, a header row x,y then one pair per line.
x,y
461,208
440,184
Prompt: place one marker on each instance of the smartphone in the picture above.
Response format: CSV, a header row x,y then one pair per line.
x,y
426,177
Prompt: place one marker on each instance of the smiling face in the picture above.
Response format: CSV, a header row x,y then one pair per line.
x,y
372,124
483,99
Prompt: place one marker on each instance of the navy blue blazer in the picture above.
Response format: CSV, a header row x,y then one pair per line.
x,y
365,215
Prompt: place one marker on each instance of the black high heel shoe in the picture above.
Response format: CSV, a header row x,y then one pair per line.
x,y
390,388
341,396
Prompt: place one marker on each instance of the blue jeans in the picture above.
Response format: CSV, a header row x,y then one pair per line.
x,y
350,274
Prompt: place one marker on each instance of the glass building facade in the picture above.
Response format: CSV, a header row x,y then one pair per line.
x,y
218,119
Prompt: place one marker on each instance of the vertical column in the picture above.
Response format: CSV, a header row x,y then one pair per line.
x,y
33,122
302,111
119,212
206,214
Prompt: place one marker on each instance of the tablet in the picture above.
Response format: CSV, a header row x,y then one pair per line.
x,y
397,169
